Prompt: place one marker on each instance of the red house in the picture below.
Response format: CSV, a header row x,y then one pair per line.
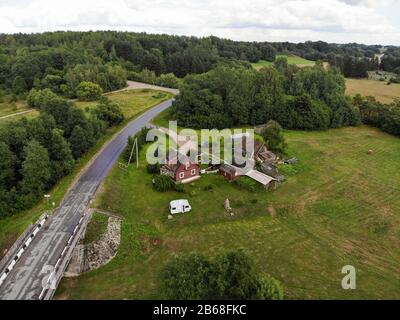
x,y
181,170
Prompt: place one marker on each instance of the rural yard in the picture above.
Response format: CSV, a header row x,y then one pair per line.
x,y
339,206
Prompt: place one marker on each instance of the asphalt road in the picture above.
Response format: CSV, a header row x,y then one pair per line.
x,y
25,281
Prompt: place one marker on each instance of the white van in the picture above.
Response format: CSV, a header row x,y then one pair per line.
x,y
179,206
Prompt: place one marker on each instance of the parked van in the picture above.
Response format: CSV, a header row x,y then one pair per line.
x,y
179,206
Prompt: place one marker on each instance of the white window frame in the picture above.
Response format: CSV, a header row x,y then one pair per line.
x,y
193,172
181,175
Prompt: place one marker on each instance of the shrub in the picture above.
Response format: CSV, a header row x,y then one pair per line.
x,y
109,112
32,98
179,187
88,91
273,137
230,275
163,183
209,187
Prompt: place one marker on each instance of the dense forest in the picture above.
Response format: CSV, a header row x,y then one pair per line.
x,y
61,60
298,98
219,88
227,96
37,153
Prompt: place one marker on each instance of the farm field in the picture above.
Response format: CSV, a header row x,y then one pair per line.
x,y
340,206
135,102
379,89
292,59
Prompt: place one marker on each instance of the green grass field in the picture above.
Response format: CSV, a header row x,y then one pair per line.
x,y
340,206
131,101
7,109
379,89
135,102
291,60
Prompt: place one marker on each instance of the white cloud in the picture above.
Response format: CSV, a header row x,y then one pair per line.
x,y
269,20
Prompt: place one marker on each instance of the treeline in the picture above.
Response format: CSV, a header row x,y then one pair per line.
x,y
383,116
60,61
59,69
37,153
227,96
353,67
230,275
320,50
391,60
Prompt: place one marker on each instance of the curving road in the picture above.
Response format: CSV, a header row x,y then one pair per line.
x,y
25,281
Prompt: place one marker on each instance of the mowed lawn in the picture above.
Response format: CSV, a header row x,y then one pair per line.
x,y
379,89
340,206
292,59
133,103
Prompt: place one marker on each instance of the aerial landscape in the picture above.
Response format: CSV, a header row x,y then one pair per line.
x,y
205,159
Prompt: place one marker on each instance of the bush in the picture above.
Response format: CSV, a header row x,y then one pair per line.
x,y
209,187
163,183
140,137
179,187
109,111
88,91
230,275
273,137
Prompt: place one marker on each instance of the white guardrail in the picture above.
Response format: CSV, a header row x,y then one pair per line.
x,y
22,249
53,275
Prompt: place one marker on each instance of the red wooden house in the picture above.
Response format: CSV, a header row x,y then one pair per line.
x,y
181,169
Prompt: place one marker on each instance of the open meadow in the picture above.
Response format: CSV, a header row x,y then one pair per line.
x,y
339,206
379,89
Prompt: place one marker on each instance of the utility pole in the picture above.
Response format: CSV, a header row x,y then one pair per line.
x,y
135,147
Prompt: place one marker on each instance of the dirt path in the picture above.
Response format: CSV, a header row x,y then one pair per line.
x,y
140,85
16,114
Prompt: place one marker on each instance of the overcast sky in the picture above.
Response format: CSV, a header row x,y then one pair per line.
x,y
341,21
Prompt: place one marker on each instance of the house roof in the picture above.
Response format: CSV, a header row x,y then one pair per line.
x,y
228,169
260,177
174,160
